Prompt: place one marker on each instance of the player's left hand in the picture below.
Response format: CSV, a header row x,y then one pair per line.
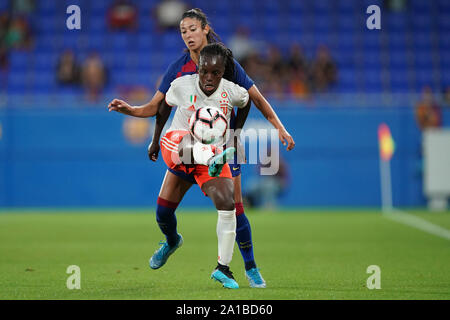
x,y
286,139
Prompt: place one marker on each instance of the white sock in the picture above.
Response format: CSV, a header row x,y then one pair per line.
x,y
202,153
226,235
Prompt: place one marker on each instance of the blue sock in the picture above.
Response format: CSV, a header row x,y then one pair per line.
x,y
167,220
244,237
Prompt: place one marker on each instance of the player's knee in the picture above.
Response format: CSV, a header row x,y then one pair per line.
x,y
221,192
224,200
225,204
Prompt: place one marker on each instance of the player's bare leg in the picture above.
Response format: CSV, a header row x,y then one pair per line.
x,y
172,192
173,187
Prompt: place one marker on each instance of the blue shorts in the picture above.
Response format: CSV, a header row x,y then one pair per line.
x,y
183,175
235,171
234,167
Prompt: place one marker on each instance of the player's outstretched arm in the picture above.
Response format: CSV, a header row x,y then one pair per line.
x,y
161,118
266,109
147,110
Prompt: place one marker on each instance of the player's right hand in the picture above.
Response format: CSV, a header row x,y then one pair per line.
x,y
120,106
153,151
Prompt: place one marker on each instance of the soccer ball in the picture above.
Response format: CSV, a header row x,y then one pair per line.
x,y
208,125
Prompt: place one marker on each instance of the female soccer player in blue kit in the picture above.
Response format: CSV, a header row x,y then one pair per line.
x,y
196,33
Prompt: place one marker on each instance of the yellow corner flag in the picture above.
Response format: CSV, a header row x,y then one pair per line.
x,y
385,141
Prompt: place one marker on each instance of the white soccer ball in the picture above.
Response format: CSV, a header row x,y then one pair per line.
x,y
208,125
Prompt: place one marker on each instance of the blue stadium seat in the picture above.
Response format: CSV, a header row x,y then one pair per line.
x,y
50,24
372,60
445,78
171,41
346,7
97,25
322,24
346,24
144,42
18,78
443,7
46,61
397,41
423,59
222,25
424,77
420,6
395,22
443,21
46,4
398,60
146,53
399,81
373,85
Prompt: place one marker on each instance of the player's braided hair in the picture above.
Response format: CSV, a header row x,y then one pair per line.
x,y
219,49
198,14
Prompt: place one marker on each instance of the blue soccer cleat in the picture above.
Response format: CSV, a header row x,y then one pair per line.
x,y
217,162
255,279
161,255
225,277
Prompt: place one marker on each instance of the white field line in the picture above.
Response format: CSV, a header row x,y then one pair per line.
x,y
416,222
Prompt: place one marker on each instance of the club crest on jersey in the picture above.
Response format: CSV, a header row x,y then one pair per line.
x,y
224,95
224,106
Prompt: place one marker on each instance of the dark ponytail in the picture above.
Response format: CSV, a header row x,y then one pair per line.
x,y
201,16
219,49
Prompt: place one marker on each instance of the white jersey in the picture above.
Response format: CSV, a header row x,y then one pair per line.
x,y
185,94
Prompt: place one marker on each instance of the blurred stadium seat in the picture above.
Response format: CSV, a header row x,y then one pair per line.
x,y
414,40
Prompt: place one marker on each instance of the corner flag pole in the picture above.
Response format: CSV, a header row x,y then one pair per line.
x,y
386,186
386,146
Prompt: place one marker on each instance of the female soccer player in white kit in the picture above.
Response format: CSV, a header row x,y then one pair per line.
x,y
190,93
210,171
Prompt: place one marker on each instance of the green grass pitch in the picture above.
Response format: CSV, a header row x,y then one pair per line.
x,y
307,254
